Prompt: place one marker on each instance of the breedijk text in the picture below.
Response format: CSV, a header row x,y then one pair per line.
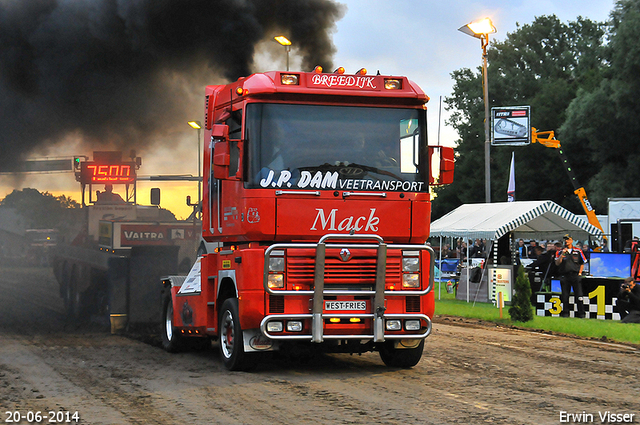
x,y
343,81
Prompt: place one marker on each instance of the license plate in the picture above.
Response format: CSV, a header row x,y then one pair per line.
x,y
345,305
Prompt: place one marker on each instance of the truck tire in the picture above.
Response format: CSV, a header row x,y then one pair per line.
x,y
202,250
172,341
73,297
231,340
398,357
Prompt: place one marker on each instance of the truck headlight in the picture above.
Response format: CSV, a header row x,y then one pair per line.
x,y
276,264
294,326
274,326
411,280
394,325
412,325
275,281
411,264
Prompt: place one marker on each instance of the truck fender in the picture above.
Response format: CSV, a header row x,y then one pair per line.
x,y
169,282
227,277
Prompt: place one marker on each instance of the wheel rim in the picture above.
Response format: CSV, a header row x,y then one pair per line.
x,y
168,323
227,334
68,299
76,303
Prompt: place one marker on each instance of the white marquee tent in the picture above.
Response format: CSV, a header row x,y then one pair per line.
x,y
525,219
541,220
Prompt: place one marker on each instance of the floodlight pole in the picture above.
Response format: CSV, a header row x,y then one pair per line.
x,y
286,43
196,125
487,122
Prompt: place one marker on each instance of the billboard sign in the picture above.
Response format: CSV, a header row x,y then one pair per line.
x,y
510,126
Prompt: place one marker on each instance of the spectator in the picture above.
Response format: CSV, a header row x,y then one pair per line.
x,y
452,252
477,250
553,269
108,196
522,249
628,304
538,267
585,251
532,250
462,251
570,262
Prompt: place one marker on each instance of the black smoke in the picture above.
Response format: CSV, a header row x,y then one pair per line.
x,y
125,73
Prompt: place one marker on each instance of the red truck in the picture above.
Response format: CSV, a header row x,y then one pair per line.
x,y
316,188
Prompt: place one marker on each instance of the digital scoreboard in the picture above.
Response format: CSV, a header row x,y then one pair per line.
x,y
92,172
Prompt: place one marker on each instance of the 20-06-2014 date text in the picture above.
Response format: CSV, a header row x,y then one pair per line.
x,y
38,417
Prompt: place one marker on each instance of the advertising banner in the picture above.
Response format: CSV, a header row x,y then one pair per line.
x,y
510,126
502,281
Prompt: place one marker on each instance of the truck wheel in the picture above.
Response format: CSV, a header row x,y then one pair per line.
x,y
171,340
231,340
67,297
73,298
398,357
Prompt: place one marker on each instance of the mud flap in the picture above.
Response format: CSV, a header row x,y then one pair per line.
x,y
254,341
147,266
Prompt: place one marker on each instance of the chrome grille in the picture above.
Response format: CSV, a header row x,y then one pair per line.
x,y
360,270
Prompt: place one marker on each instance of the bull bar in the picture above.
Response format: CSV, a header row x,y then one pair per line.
x,y
378,315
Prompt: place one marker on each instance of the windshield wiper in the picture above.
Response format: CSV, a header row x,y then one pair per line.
x,y
345,164
375,170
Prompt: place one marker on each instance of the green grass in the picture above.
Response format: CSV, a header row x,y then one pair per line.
x,y
588,328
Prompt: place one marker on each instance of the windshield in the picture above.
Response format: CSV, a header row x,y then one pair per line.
x,y
334,147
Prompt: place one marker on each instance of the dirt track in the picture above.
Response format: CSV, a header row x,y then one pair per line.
x,y
470,374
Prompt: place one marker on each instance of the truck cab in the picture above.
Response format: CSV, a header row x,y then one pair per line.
x,y
316,186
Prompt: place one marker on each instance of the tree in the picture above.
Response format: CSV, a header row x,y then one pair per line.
x,y
602,121
43,210
520,310
543,65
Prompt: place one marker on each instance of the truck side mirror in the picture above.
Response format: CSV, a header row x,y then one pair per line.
x,y
446,165
221,154
155,196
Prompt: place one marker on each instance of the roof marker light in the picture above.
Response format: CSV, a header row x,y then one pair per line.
x,y
317,69
289,79
339,70
362,71
392,84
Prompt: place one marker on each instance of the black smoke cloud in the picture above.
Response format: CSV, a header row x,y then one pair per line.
x,y
123,73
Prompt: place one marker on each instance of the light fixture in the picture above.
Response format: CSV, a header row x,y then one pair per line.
x,y
481,29
284,41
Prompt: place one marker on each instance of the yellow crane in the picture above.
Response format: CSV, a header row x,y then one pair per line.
x,y
548,139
